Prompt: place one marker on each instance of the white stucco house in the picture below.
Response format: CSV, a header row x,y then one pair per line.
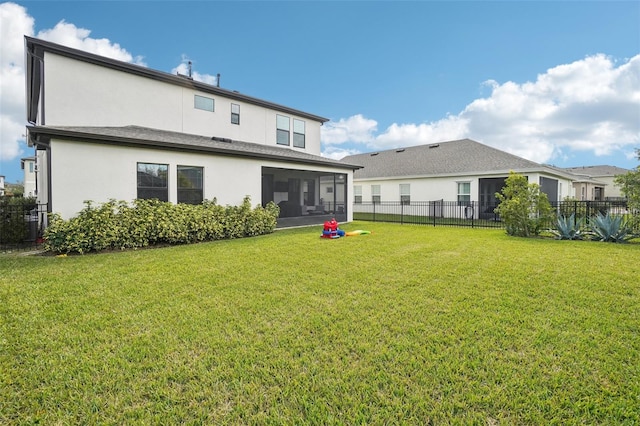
x,y
1,185
105,129
28,166
461,171
596,183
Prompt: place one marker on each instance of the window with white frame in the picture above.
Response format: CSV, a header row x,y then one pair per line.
x,y
203,103
375,194
464,193
357,194
235,114
190,184
282,130
405,194
298,133
153,181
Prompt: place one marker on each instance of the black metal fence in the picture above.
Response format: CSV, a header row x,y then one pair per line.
x,y
21,225
470,214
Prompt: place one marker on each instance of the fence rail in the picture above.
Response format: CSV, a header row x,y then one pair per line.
x,y
21,225
470,214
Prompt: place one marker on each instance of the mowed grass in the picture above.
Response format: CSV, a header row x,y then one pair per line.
x,y
408,325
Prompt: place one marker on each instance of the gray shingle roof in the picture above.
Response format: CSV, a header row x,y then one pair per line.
x,y
597,171
461,157
154,138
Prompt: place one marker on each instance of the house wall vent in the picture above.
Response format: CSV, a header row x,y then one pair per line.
x,y
219,139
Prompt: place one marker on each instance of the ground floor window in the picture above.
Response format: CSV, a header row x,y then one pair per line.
x,y
405,194
153,181
375,194
464,193
190,184
357,194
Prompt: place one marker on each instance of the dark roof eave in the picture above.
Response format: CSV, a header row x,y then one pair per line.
x,y
160,76
47,133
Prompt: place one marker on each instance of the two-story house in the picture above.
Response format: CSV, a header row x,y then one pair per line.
x,y
597,183
106,129
28,166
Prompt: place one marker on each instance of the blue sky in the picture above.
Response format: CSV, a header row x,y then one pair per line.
x,y
555,82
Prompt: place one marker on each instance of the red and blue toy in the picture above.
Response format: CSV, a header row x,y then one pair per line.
x,y
331,230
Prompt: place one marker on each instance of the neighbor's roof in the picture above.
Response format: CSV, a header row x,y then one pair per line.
x,y
36,47
461,157
597,171
153,138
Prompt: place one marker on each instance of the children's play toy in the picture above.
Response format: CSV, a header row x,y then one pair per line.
x,y
331,230
356,232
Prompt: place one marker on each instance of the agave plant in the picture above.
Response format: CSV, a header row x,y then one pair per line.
x,y
568,228
611,229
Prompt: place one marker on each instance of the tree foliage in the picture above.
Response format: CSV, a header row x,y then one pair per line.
x,y
630,186
523,208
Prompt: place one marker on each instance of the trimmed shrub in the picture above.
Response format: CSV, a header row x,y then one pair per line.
x,y
120,225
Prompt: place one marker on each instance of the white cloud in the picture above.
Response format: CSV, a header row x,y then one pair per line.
x,y
355,128
588,105
337,153
183,69
15,23
78,38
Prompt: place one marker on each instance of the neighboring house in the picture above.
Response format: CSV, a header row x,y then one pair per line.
x,y
596,183
1,185
106,129
28,166
463,171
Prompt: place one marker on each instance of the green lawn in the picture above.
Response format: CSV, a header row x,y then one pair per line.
x,y
408,325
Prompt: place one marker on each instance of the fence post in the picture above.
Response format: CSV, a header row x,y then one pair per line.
x,y
401,213
434,215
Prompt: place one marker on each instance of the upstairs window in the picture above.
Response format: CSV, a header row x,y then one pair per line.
x,y
357,194
405,194
153,181
282,132
235,114
298,133
190,184
203,103
375,194
464,193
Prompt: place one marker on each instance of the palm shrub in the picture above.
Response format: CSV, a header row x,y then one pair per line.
x,y
568,228
611,228
523,208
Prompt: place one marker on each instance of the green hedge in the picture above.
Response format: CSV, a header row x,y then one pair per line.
x,y
120,225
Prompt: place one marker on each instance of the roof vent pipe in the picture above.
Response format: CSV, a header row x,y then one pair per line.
x,y
189,63
218,80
